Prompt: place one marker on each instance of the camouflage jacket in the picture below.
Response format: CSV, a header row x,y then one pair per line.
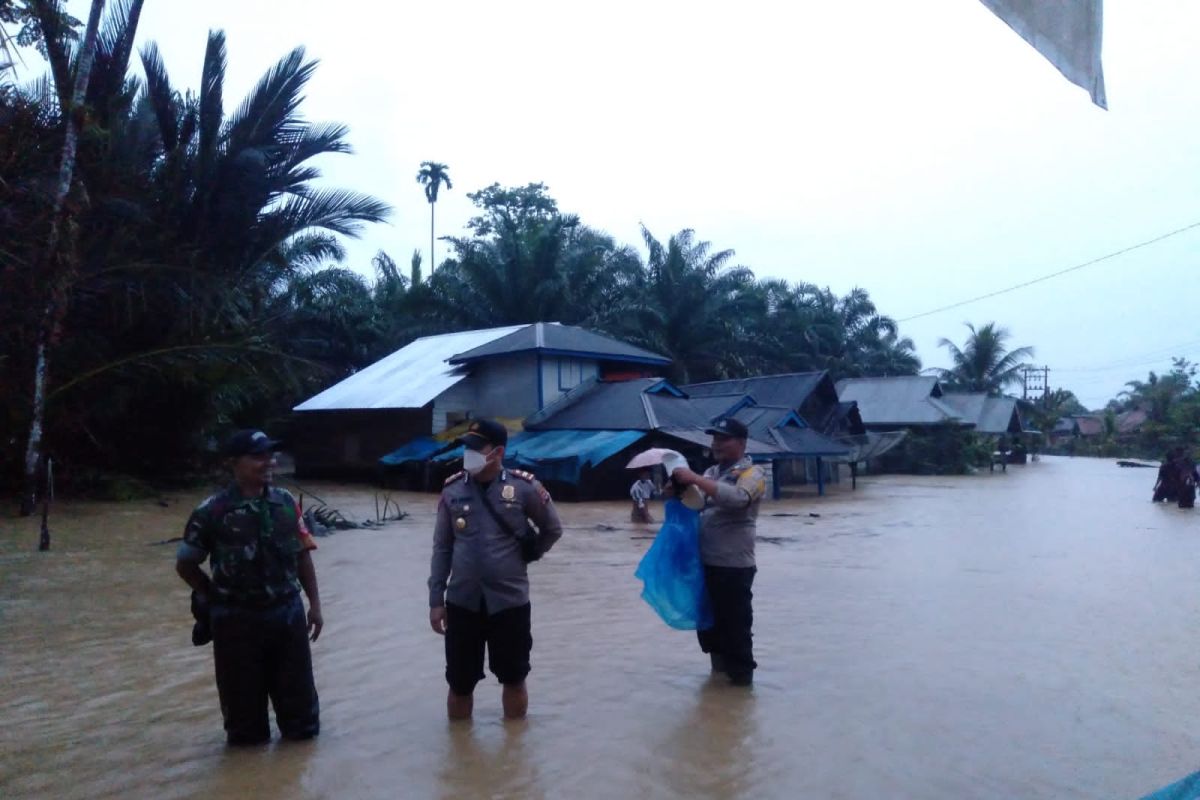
x,y
252,544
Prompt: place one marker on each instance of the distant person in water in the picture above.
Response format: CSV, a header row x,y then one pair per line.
x,y
1166,488
640,493
1187,480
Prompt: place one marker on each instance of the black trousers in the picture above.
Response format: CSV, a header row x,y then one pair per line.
x,y
729,592
261,655
506,635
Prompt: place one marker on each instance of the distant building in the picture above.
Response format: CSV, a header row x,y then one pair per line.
x,y
993,416
1079,426
436,383
904,402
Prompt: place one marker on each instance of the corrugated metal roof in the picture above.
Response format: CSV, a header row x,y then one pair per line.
x,y
563,339
992,415
899,401
620,405
409,378
774,425
719,405
788,389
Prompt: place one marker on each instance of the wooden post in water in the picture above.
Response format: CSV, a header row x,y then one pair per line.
x,y
47,495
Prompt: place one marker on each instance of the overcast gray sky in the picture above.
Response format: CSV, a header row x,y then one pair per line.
x,y
920,150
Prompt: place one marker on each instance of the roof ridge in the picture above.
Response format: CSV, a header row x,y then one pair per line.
x,y
651,417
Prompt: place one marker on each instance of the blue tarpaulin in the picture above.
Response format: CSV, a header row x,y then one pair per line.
x,y
559,455
417,450
1186,789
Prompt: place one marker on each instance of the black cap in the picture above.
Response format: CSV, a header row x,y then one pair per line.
x,y
483,432
249,442
729,427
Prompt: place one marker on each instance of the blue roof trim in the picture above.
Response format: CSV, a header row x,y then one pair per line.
x,y
791,418
746,402
617,357
665,387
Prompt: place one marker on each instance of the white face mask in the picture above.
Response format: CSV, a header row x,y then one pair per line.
x,y
474,461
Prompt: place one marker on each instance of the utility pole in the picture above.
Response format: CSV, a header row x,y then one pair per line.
x,y
1035,381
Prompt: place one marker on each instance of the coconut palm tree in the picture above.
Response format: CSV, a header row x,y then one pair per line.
x,y
433,176
984,363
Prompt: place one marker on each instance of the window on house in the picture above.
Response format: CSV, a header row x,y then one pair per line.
x,y
570,374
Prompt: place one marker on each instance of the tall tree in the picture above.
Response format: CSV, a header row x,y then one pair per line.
x,y
433,176
984,363
528,262
192,224
71,98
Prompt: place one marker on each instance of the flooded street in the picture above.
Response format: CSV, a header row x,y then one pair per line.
x,y
1024,635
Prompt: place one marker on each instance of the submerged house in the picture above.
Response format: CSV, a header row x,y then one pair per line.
x,y
429,387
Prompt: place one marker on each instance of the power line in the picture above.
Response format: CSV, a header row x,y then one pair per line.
x,y
1114,254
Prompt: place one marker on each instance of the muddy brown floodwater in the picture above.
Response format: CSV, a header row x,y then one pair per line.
x,y
1023,635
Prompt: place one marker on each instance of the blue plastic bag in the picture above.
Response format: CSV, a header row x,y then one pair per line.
x,y
672,572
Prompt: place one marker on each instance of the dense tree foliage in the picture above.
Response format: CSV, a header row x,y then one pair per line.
x,y
201,282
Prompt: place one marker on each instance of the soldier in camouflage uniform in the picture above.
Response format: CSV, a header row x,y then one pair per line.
x,y
733,488
259,554
478,582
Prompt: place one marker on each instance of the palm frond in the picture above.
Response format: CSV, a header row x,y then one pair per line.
x,y
268,115
212,105
161,96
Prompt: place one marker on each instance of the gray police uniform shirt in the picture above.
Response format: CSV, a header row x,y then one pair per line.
x,y
475,561
729,518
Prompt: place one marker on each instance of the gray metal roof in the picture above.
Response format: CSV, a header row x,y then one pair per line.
x,y
563,340
994,415
901,401
788,389
754,448
718,405
409,378
764,424
620,405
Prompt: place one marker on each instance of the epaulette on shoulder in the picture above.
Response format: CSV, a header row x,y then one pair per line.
x,y
523,475
456,476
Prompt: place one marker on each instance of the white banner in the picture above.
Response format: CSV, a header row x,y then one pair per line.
x,y
1066,32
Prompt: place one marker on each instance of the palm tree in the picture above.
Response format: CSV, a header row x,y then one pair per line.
x,y
1158,393
690,304
192,223
984,363
432,176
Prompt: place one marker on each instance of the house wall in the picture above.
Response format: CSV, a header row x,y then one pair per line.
x,y
338,444
506,387
453,405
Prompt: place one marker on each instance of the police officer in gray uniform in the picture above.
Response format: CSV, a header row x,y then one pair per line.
x,y
733,488
478,581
